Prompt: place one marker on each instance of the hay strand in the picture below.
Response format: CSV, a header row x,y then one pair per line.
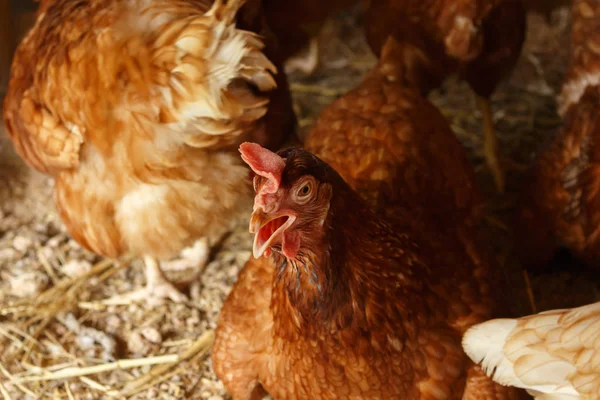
x,y
200,346
529,292
73,372
4,392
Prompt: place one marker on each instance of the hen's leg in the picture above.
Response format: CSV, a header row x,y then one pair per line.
x,y
195,257
490,144
157,285
157,289
307,64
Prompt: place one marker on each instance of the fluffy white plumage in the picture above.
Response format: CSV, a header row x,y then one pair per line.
x,y
553,355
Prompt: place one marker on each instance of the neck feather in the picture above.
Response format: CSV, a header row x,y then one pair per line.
x,y
321,288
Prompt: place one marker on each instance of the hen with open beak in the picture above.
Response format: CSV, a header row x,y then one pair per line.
x,y
270,220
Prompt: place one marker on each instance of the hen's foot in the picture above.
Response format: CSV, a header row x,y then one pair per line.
x,y
157,289
490,145
306,64
153,295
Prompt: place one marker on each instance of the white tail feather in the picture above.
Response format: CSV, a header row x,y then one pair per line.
x,y
514,353
484,344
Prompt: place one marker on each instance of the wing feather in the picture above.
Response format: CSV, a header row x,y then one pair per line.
x,y
551,354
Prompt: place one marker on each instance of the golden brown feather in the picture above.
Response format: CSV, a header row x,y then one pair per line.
x,y
136,108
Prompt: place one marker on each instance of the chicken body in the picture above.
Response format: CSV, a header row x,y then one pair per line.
x,y
384,287
554,354
479,39
135,109
559,204
298,24
394,147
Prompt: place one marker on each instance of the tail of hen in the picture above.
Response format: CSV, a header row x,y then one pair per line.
x,y
484,344
514,353
213,72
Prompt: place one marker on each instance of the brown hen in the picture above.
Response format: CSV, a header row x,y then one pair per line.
x,y
136,108
363,279
479,39
560,201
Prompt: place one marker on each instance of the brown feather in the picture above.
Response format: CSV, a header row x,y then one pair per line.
x,y
559,204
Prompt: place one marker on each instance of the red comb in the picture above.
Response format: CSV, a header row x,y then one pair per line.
x,y
264,163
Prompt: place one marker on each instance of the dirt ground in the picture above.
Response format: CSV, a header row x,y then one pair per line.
x,y
51,288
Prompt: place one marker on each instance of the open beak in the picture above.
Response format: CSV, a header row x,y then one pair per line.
x,y
268,229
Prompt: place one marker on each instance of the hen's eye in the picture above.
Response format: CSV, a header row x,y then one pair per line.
x,y
304,192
